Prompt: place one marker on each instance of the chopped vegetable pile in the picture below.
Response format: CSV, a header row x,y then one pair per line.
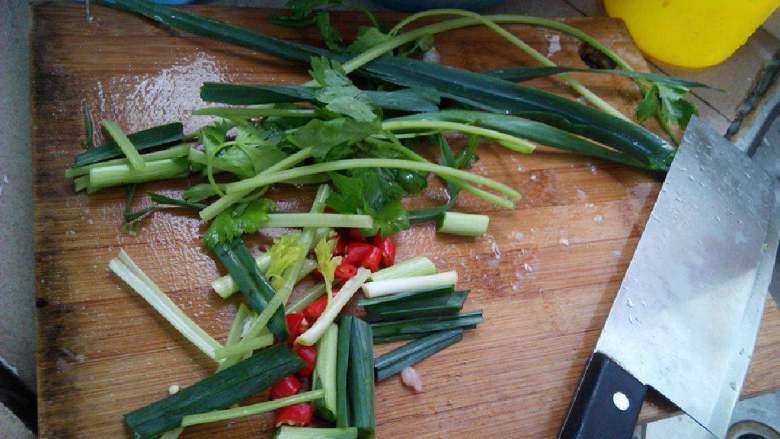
x,y
358,137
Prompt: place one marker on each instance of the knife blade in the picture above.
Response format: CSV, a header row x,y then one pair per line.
x,y
685,318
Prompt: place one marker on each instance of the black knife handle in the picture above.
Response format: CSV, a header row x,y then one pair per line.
x,y
607,402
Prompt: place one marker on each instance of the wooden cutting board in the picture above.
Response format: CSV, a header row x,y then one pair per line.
x,y
545,275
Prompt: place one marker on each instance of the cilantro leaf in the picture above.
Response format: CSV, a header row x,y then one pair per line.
x,y
330,35
242,218
367,37
338,92
666,102
322,136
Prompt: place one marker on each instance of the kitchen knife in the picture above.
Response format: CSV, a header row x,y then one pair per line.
x,y
685,319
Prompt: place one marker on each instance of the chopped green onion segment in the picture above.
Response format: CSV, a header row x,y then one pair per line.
x,y
415,266
408,284
464,224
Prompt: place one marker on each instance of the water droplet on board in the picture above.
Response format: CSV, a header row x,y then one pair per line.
x,y
629,303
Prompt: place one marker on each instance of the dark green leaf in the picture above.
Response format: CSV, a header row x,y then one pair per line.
x,y
367,37
322,136
330,35
648,106
234,222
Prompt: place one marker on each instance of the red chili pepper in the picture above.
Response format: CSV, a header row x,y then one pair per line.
x,y
345,271
287,386
294,325
355,235
387,246
314,309
357,252
308,354
298,415
373,259
341,246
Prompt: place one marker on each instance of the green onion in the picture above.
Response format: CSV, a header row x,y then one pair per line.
x,y
116,175
361,379
217,391
325,373
319,220
238,261
234,335
343,406
163,200
434,303
240,412
333,308
310,295
463,224
315,433
149,138
416,266
133,158
338,165
413,352
80,183
168,153
248,113
407,284
416,328
128,271
225,286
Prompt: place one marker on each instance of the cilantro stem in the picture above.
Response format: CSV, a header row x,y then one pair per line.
x,y
254,343
229,199
116,133
471,19
319,220
261,407
249,112
339,165
464,224
516,144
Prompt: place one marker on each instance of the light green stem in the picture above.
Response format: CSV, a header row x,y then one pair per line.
x,y
319,220
249,112
262,407
168,153
514,143
310,295
340,165
128,149
228,200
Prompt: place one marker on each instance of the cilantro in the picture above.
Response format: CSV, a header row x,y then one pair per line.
x,y
322,136
367,37
338,92
284,253
242,218
370,192
330,35
667,103
326,262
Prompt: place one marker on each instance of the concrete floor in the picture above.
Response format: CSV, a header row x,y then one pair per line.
x,y
17,316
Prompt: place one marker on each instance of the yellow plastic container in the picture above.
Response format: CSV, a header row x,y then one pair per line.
x,y
691,33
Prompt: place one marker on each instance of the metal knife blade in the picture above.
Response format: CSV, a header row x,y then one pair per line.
x,y
685,319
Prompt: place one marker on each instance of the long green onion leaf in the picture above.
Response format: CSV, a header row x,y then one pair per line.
x,y
413,352
240,412
149,138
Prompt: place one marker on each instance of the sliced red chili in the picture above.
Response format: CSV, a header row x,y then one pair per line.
x,y
345,271
287,386
294,325
355,235
387,246
298,415
357,252
373,259
315,309
308,354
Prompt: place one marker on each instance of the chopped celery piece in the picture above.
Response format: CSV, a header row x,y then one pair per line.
x,y
315,433
409,284
325,372
416,266
464,224
116,175
239,412
319,220
310,295
128,271
168,153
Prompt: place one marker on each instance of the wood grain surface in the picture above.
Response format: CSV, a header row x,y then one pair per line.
x,y
545,275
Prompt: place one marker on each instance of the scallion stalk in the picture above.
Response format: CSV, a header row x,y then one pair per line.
x,y
416,266
413,352
168,153
463,224
410,284
246,345
128,271
325,372
315,433
225,286
319,220
332,310
134,159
